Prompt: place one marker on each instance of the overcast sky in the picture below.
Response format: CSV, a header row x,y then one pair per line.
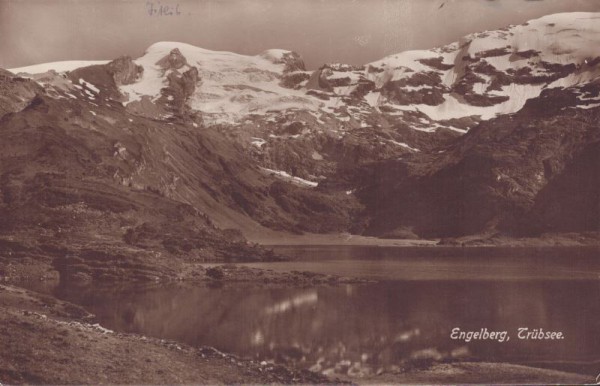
x,y
349,31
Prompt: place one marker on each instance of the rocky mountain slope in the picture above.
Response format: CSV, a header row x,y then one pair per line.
x,y
93,191
530,172
494,133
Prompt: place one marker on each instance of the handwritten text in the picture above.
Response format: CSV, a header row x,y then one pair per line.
x,y
156,8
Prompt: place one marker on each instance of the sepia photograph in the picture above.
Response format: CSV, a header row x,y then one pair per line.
x,y
269,192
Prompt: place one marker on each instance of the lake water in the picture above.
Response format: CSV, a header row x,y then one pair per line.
x,y
405,319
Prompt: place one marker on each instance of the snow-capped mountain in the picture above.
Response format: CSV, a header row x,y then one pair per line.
x,y
230,86
270,98
489,111
482,75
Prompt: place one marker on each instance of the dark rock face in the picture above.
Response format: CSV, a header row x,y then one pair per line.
x,y
318,81
178,90
362,89
430,90
175,60
464,87
494,52
427,96
523,55
571,200
339,82
100,77
520,174
124,70
293,80
323,79
437,63
293,62
189,79
484,100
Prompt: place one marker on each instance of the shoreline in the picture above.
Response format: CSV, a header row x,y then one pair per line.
x,y
591,239
339,239
41,329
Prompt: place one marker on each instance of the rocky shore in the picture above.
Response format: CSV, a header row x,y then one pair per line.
x,y
55,342
48,341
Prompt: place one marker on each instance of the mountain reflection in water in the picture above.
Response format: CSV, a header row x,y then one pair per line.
x,y
361,329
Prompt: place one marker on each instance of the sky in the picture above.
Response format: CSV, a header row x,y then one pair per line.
x,y
321,31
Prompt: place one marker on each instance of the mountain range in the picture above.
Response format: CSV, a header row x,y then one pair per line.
x,y
188,153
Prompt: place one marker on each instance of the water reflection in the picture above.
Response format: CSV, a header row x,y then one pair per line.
x,y
310,297
361,329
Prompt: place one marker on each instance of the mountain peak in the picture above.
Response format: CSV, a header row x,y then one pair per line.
x,y
482,75
174,60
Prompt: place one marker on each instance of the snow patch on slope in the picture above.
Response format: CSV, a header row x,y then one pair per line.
x,y
289,177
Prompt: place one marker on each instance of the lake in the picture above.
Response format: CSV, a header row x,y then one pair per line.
x,y
404,319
